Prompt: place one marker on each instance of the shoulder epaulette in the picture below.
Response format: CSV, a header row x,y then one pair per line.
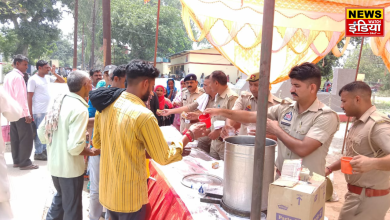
x,y
277,99
286,101
379,118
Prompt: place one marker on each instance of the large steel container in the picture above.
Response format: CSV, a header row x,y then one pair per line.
x,y
238,172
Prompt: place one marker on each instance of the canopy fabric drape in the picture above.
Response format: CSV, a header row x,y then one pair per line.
x,y
304,31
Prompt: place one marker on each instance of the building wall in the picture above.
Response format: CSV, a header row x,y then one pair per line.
x,y
179,60
163,68
198,69
205,61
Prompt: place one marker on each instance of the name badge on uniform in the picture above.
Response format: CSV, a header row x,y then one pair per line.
x,y
285,123
288,116
187,121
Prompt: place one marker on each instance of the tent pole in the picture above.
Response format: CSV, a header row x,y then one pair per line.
x,y
262,103
156,42
357,72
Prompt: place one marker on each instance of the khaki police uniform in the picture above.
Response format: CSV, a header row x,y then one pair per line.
x,y
204,143
187,99
248,102
369,136
225,100
318,122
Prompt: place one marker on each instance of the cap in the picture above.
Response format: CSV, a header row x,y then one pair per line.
x,y
109,68
253,77
190,76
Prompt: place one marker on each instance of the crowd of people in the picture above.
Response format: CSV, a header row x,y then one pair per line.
x,y
114,118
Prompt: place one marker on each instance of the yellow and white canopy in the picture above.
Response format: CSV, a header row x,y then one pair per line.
x,y
304,30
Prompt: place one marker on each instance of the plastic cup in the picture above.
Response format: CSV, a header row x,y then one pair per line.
x,y
230,131
251,128
345,165
205,119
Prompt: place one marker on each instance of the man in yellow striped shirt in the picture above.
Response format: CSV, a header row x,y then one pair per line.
x,y
126,130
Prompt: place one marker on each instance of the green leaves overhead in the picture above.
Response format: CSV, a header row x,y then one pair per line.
x,y
32,25
134,25
370,65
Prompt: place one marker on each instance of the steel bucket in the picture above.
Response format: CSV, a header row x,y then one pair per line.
x,y
238,172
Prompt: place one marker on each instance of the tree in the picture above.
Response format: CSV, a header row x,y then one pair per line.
x,y
34,26
327,64
370,65
134,25
76,15
63,51
92,61
85,19
330,61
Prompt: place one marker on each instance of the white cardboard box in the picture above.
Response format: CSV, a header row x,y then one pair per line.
x,y
303,201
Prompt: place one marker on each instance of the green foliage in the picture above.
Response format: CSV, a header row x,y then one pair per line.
x,y
34,28
383,106
327,64
7,67
8,44
330,61
383,93
63,51
134,25
85,28
370,65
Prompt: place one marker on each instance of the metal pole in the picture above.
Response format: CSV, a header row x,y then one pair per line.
x,y
76,15
357,72
106,32
82,51
262,103
156,42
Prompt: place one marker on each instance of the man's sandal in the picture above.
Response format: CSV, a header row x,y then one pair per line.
x,y
30,167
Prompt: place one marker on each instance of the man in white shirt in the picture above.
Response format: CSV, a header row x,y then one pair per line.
x,y
12,111
38,98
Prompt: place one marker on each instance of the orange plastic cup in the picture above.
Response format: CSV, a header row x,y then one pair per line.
x,y
345,165
205,119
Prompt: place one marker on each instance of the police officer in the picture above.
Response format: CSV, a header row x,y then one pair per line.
x,y
368,143
204,143
189,96
224,99
304,128
248,102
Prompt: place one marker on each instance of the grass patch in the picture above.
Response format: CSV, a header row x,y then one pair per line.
x,y
383,106
383,93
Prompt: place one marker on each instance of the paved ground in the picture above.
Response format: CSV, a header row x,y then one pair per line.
x,y
32,191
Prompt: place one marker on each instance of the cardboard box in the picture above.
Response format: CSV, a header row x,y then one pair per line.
x,y
302,201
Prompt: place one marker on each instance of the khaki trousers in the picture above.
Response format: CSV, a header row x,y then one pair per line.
x,y
204,143
360,207
217,149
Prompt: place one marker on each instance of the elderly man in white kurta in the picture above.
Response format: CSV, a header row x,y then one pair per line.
x,y
12,111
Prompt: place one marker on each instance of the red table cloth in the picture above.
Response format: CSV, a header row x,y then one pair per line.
x,y
164,203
